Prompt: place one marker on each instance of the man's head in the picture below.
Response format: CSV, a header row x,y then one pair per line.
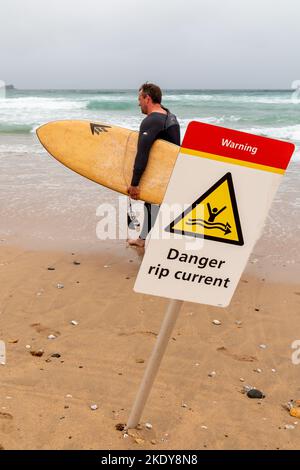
x,y
149,95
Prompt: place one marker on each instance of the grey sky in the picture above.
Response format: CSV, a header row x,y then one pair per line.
x,y
176,43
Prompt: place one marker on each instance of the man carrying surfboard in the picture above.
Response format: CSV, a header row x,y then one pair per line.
x,y
160,123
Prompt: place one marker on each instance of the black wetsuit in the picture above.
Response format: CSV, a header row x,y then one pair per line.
x,y
154,126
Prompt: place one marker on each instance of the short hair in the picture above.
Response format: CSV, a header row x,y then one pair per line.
x,y
151,90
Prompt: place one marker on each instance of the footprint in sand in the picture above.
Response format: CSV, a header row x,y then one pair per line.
x,y
5,415
44,329
6,425
130,333
237,357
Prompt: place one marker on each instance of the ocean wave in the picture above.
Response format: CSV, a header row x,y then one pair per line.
x,y
194,99
188,98
111,105
39,103
296,156
17,128
21,149
210,120
265,100
286,133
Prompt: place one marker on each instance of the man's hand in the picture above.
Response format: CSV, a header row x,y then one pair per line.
x,y
134,192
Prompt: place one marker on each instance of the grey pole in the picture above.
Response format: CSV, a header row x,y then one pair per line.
x,y
162,340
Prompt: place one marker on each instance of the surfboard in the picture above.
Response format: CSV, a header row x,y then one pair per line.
x,y
105,154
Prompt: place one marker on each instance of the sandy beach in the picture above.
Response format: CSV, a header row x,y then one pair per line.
x,y
78,81
55,271
45,401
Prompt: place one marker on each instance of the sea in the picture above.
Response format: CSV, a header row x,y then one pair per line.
x,y
42,202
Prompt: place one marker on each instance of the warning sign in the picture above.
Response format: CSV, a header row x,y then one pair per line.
x,y
213,216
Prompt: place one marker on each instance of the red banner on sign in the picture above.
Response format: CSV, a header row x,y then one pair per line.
x,y
237,145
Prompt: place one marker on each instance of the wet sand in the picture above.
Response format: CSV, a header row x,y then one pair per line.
x,y
45,205
45,401
49,218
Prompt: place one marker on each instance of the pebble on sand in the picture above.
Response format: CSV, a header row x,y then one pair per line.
x,y
212,374
74,322
51,337
294,408
94,407
255,393
120,426
37,353
60,286
138,440
148,426
217,322
295,412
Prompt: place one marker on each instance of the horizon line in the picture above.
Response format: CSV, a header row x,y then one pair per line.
x,y
163,88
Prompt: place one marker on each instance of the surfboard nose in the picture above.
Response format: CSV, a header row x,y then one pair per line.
x,y
56,135
45,130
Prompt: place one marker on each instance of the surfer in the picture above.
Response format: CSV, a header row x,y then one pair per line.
x,y
160,123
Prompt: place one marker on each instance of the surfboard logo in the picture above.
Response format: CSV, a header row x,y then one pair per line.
x,y
97,128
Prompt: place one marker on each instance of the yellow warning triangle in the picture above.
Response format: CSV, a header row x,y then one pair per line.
x,y
213,216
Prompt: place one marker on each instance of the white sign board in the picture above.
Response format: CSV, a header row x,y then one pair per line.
x,y
212,214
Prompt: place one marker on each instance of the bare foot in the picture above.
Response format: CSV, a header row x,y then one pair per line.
x,y
138,242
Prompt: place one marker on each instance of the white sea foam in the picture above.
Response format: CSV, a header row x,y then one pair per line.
x,y
261,100
21,149
235,98
39,103
23,112
286,133
183,98
289,133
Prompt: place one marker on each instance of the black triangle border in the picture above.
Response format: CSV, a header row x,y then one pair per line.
x,y
227,177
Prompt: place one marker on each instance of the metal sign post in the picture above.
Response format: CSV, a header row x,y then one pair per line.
x,y
162,340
